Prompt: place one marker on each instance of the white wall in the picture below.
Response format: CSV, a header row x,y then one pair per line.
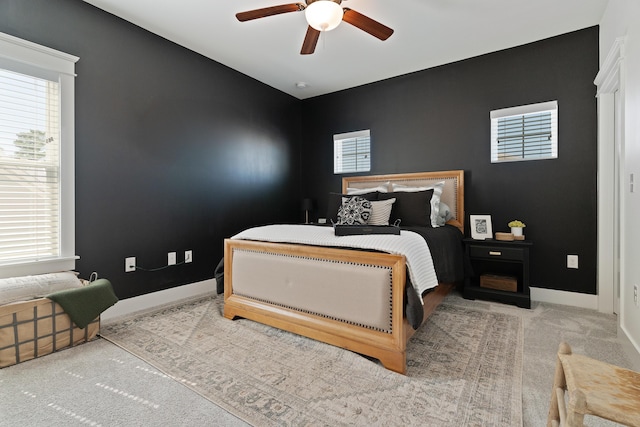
x,y
622,19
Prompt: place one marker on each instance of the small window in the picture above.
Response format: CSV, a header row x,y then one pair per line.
x,y
528,132
352,152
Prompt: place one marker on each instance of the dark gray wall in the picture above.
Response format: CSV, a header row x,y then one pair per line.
x,y
438,119
173,151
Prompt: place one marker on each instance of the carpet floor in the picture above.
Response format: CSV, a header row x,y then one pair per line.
x,y
100,384
464,369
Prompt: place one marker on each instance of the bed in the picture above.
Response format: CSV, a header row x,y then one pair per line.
x,y
361,299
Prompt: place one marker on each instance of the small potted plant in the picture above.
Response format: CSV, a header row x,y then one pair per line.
x,y
516,227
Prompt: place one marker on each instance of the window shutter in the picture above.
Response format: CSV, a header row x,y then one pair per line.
x,y
528,132
29,168
352,152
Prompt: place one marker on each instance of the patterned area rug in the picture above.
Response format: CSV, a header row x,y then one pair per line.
x,y
464,369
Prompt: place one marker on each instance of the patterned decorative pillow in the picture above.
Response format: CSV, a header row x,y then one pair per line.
x,y
336,200
355,211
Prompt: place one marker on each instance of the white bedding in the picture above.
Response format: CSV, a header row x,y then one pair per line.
x,y
413,246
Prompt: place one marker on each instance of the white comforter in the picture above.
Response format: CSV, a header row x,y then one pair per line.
x,y
410,244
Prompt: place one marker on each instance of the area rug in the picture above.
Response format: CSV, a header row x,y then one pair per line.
x,y
464,369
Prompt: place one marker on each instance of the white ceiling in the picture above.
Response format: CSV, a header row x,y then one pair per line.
x,y
427,33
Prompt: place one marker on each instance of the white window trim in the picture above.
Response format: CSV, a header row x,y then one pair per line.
x,y
23,55
551,106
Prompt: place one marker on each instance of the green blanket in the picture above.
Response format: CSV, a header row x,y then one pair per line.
x,y
84,304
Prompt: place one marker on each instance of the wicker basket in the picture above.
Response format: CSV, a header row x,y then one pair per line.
x,y
34,328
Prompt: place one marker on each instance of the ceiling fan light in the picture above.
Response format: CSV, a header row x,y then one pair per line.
x,y
324,15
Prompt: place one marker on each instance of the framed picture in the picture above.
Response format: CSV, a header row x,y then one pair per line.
x,y
481,227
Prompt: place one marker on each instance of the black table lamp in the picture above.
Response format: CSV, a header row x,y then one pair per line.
x,y
307,206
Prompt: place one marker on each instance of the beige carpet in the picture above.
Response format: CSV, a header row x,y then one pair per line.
x,y
464,369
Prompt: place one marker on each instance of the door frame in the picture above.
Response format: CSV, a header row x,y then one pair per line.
x,y
611,226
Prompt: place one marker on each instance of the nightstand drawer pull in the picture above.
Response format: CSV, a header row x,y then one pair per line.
x,y
495,253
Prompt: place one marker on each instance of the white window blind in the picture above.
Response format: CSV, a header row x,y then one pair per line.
x,y
29,167
528,132
352,152
36,159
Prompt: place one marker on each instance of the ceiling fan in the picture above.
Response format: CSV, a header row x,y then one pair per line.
x,y
321,15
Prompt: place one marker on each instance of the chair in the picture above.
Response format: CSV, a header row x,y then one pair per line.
x,y
593,388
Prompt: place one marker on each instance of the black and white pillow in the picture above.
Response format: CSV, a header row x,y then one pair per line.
x,y
354,211
337,199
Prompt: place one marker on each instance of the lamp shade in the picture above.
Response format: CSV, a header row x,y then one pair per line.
x,y
308,204
324,15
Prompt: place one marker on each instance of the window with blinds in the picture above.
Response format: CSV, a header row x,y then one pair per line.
x,y
528,132
36,159
352,152
29,167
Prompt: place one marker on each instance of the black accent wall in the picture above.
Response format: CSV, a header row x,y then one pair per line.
x,y
175,151
438,119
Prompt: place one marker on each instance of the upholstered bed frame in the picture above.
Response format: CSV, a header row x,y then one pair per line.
x,y
348,298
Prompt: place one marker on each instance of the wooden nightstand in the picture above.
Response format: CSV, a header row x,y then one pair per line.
x,y
497,259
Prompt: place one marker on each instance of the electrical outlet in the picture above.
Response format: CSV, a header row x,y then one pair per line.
x,y
572,261
188,256
635,295
322,220
130,264
171,258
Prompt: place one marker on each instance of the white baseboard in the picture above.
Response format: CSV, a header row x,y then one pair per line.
x,y
146,302
573,299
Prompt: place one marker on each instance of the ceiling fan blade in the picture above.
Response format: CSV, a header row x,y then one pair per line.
x,y
269,11
310,41
367,24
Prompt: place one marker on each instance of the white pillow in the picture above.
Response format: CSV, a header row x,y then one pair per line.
x,y
355,191
381,212
435,199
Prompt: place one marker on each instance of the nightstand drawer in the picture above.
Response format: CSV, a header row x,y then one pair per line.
x,y
496,252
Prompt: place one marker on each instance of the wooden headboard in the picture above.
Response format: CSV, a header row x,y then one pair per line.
x,y
452,195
